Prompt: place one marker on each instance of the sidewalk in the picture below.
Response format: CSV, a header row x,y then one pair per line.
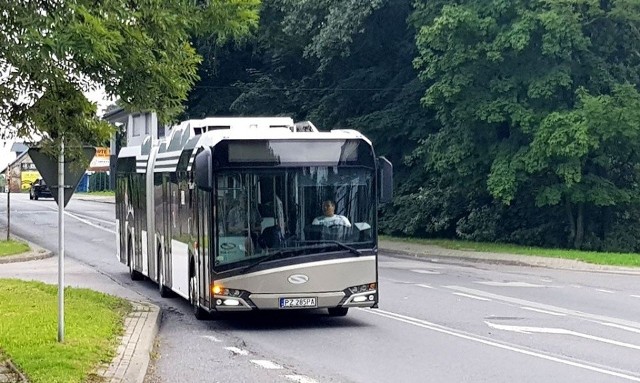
x,y
140,327
436,253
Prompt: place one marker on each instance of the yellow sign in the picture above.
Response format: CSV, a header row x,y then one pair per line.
x,y
26,178
103,152
100,161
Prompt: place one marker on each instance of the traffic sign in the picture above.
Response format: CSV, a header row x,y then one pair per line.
x,y
48,168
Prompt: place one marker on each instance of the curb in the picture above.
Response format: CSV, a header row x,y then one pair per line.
x,y
136,344
35,253
101,199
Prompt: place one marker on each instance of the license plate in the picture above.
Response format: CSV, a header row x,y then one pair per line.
x,y
286,303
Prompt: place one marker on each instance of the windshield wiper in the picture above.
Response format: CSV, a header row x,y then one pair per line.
x,y
352,250
279,253
272,256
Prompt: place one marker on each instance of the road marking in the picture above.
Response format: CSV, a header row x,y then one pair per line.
x,y
90,223
471,296
267,364
300,379
94,218
212,338
237,351
632,329
559,331
605,291
522,302
543,311
635,296
444,330
86,222
421,271
425,286
509,284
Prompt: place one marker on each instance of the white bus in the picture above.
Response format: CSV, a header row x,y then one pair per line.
x,y
241,214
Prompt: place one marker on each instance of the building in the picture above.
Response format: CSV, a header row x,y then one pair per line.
x,y
21,172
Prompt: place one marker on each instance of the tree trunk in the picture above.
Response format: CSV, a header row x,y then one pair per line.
x,y
572,224
579,227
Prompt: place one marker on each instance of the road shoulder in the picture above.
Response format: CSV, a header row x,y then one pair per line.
x,y
439,254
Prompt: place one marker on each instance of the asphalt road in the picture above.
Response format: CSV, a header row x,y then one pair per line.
x,y
437,322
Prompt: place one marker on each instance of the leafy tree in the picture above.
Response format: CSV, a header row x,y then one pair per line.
x,y
525,93
137,50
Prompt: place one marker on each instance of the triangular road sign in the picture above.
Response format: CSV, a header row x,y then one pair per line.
x,y
48,168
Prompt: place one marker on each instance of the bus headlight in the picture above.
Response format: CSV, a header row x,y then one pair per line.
x,y
220,290
361,288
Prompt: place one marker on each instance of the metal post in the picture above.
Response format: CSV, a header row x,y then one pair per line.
x,y
61,243
8,205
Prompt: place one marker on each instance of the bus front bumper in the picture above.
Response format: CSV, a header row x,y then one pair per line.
x,y
273,301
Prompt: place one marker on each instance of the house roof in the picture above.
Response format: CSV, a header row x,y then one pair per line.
x,y
17,160
19,147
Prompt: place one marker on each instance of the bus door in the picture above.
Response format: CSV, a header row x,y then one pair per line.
x,y
205,241
169,220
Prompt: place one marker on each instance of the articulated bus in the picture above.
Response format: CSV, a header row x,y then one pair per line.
x,y
242,214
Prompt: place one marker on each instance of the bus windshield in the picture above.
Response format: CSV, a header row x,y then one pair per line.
x,y
262,214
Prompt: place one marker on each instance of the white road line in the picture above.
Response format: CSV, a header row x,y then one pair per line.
x,y
560,331
522,302
212,338
90,223
421,271
301,379
635,296
605,291
86,222
632,329
425,286
94,219
508,284
543,311
267,364
452,332
472,296
237,351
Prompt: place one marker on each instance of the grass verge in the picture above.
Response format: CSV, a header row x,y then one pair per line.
x,y
599,258
109,193
12,248
28,330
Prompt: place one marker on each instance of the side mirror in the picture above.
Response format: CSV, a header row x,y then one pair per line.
x,y
385,178
203,164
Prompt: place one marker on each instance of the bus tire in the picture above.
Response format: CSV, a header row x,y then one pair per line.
x,y
134,274
338,311
198,311
163,290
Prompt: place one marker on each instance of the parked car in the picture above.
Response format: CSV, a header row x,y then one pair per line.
x,y
39,189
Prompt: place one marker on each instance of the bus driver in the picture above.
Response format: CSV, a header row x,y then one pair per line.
x,y
330,218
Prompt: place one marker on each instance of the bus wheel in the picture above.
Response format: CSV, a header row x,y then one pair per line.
x,y
135,275
338,311
198,311
162,289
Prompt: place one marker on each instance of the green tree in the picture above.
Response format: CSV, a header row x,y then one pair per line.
x,y
138,51
511,83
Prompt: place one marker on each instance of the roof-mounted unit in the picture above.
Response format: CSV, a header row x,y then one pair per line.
x,y
304,126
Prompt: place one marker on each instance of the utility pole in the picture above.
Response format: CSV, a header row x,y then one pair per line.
x,y
8,205
61,243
